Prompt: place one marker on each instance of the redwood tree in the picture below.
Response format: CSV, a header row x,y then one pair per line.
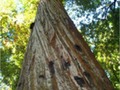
x,y
57,57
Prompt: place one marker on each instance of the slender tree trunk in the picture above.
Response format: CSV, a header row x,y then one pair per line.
x,y
57,57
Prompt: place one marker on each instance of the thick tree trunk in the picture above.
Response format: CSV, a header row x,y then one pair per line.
x,y
57,57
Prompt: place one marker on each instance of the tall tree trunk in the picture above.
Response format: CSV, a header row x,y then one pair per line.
x,y
57,57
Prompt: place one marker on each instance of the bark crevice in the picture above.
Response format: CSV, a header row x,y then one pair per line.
x,y
57,57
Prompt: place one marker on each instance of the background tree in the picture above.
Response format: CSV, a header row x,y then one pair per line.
x,y
14,25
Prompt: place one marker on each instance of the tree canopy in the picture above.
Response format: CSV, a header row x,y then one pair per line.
x,y
97,20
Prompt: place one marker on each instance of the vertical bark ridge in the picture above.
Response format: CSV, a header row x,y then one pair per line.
x,y
99,71
48,13
57,57
74,52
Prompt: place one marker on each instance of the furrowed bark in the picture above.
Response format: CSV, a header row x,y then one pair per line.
x,y
57,57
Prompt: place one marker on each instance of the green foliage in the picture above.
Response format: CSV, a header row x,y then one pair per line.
x,y
99,25
15,19
104,36
88,4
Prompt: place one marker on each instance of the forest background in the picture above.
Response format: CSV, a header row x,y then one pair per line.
x,y
96,20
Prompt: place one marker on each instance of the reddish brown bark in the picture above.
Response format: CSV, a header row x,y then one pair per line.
x,y
57,57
